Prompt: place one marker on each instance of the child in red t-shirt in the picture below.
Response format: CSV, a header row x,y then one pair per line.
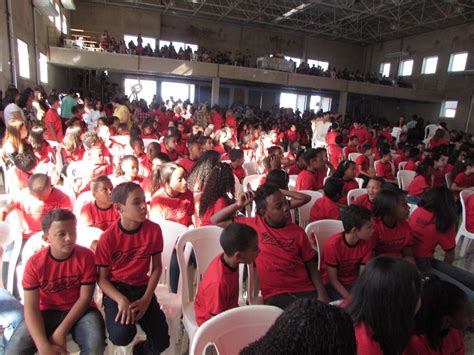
x,y
195,152
465,179
128,171
326,207
352,147
335,152
173,201
285,266
364,162
439,168
413,158
422,182
347,172
59,282
219,287
313,176
52,121
236,162
345,254
384,168
72,148
373,187
128,257
169,146
100,212
41,148
138,147
393,235
95,165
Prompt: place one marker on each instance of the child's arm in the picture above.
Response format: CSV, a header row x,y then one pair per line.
x,y
449,256
332,273
77,311
53,132
124,314
316,280
297,199
140,306
456,188
35,324
407,254
224,216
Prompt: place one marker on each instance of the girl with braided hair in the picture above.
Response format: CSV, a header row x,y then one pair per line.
x,y
201,170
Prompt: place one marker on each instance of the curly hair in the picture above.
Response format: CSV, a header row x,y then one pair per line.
x,y
220,182
308,327
202,169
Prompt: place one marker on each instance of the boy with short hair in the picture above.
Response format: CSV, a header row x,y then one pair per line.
x,y
169,147
313,176
138,148
52,121
219,288
100,212
285,265
236,162
352,146
195,152
346,253
59,283
123,256
335,151
384,167
326,207
413,158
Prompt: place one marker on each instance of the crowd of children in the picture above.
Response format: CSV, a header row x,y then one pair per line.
x,y
118,169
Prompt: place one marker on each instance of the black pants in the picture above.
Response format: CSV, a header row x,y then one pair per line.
x,y
283,300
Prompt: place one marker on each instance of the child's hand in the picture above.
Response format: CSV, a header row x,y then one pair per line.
x,y
124,314
246,198
52,349
58,339
139,307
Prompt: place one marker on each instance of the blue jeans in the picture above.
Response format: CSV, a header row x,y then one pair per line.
x,y
153,323
11,315
88,333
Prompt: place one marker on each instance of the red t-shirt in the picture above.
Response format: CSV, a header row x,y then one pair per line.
x,y
425,235
231,121
335,154
418,186
361,133
348,186
366,345
178,209
283,253
45,153
346,258
239,172
400,159
351,149
463,180
470,214
218,290
92,215
145,166
307,180
363,200
439,177
187,164
324,208
76,155
386,135
217,120
410,165
436,143
391,241
291,136
294,170
171,155
59,281
52,118
452,344
127,254
33,210
219,149
362,163
212,210
384,170
331,137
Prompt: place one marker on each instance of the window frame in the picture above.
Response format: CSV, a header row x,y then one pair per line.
x,y
23,69
443,110
382,69
452,58
401,67
43,67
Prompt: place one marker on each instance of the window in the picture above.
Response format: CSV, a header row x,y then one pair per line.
x,y
405,68
57,19
318,63
429,65
137,89
177,91
146,40
385,70
293,101
23,59
43,65
457,62
296,60
178,45
317,103
448,109
64,25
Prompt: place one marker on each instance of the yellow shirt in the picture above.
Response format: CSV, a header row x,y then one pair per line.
x,y
123,115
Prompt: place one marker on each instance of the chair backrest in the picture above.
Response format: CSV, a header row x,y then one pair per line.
x,y
353,156
412,207
360,182
463,197
405,177
430,130
32,245
237,186
353,194
10,234
396,133
206,245
323,230
449,180
250,168
234,329
292,182
401,165
253,180
87,235
376,163
305,210
81,200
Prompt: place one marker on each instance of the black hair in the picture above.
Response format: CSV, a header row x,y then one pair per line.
x,y
155,145
236,154
98,180
168,138
384,150
386,202
384,299
333,187
355,217
440,201
439,299
279,178
366,147
353,137
25,161
423,168
76,108
56,215
413,153
38,182
120,192
24,97
219,184
273,149
36,137
135,131
261,196
338,139
134,140
52,99
312,153
378,179
342,167
307,327
202,169
237,237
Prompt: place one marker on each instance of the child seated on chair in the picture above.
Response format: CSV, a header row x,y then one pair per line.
x,y
128,171
94,166
346,253
138,148
169,147
100,212
363,163
236,162
373,187
219,287
326,207
123,256
313,176
195,152
285,266
59,283
384,166
422,182
353,146
413,158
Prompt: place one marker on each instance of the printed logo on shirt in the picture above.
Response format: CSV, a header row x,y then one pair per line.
x,y
122,257
61,284
287,245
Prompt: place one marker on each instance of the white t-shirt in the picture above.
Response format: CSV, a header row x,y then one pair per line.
x,y
320,128
8,111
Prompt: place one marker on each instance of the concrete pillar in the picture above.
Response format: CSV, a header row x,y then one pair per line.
x,y
231,95
341,109
216,85
246,96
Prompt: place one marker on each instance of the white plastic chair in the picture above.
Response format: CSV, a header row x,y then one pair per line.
x,y
401,165
147,141
360,182
353,156
10,234
254,295
251,168
353,194
404,178
253,180
206,246
448,179
234,329
86,235
412,207
292,182
69,192
430,130
396,133
304,211
462,231
81,200
323,230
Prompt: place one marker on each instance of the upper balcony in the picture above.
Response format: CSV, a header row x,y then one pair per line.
x,y
69,57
